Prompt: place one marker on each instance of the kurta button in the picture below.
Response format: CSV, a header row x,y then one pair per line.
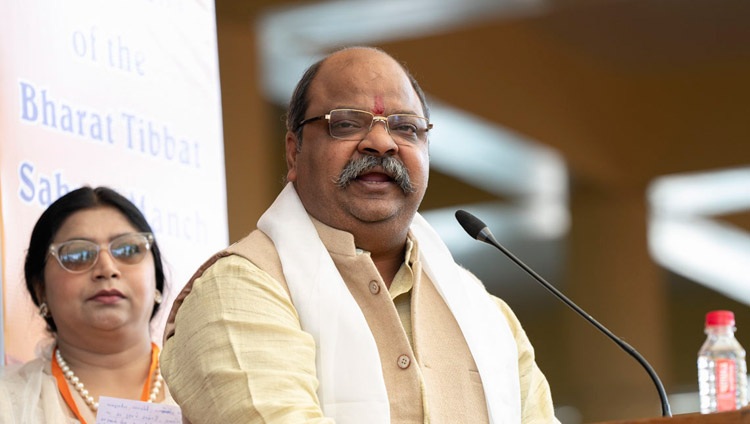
x,y
404,361
374,287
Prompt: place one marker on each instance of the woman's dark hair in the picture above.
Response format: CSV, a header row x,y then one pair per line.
x,y
299,100
52,219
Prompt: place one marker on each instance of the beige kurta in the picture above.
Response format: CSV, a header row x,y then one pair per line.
x,y
238,353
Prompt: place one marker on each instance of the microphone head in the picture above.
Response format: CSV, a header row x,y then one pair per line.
x,y
470,223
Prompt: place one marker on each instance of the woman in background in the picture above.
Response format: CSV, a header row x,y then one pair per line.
x,y
94,271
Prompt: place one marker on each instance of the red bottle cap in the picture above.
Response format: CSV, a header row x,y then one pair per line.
x,y
715,318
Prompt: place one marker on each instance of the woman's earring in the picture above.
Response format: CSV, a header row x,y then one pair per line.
x,y
44,310
157,297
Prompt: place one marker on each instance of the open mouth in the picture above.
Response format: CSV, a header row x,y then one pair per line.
x,y
374,177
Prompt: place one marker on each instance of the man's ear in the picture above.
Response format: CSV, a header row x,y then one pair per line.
x,y
292,144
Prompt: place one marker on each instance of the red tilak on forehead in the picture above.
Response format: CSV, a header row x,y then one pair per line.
x,y
379,106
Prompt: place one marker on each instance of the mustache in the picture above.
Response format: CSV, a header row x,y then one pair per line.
x,y
392,166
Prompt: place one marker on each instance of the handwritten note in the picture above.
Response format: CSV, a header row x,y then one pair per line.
x,y
125,411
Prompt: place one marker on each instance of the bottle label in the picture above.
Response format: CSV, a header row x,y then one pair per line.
x,y
726,385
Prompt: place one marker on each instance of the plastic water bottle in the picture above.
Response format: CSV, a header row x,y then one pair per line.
x,y
722,371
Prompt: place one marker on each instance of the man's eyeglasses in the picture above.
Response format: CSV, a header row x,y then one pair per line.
x,y
354,125
78,256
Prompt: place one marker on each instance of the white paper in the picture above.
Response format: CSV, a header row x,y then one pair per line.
x,y
126,411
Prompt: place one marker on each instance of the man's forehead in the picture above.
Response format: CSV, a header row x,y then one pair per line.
x,y
361,66
376,93
369,80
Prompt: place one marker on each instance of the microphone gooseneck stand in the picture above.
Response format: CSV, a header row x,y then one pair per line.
x,y
478,230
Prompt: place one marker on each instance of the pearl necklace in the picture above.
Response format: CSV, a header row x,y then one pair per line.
x,y
92,404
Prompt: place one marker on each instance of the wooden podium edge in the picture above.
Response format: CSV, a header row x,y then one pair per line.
x,y
741,416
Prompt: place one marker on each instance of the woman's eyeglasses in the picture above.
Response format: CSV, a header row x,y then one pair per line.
x,y
78,256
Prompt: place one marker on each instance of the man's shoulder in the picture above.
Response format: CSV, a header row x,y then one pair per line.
x,y
253,254
252,242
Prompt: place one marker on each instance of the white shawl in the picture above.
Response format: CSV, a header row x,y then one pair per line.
x,y
28,394
352,388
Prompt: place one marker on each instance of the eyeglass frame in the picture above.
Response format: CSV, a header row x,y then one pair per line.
x,y
380,118
54,249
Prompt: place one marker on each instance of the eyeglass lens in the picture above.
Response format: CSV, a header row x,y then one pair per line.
x,y
81,255
350,124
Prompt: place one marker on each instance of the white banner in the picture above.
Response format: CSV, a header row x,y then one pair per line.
x,y
122,93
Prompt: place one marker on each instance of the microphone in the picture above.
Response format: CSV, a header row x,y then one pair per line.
x,y
478,230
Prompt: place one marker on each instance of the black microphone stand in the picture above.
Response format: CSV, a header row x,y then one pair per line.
x,y
477,229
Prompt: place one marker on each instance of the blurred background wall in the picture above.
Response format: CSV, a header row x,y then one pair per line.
x,y
618,93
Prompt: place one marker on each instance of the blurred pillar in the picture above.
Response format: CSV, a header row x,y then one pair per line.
x,y
613,278
251,142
